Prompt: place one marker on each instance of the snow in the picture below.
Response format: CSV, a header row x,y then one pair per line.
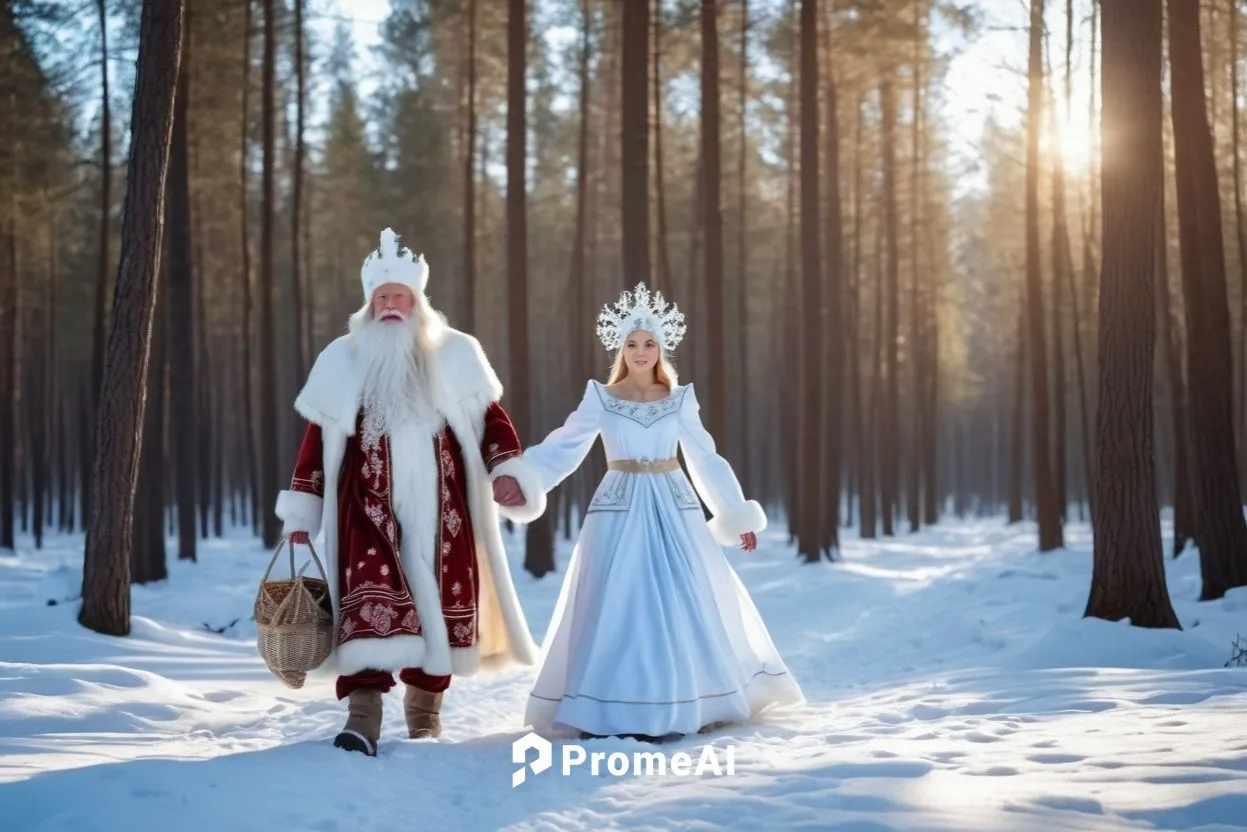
x,y
951,683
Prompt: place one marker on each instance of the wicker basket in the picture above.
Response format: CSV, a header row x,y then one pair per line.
x,y
294,620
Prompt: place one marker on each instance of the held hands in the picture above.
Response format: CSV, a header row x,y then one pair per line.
x,y
748,541
507,492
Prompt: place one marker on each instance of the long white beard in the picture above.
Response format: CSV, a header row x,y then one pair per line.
x,y
396,382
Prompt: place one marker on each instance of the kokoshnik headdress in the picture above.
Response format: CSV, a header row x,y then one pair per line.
x,y
641,310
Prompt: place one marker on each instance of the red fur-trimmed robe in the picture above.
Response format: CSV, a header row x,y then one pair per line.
x,y
417,571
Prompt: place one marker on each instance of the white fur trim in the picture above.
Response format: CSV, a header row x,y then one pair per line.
x,y
299,512
391,653
525,473
464,385
728,526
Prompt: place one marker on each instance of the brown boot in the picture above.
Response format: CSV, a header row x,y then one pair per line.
x,y
363,723
423,710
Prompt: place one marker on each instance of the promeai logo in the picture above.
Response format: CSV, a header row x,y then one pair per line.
x,y
719,762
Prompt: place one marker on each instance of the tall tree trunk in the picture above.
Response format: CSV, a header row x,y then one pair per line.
x,y
577,276
1076,320
1240,230
148,560
634,143
809,532
889,457
106,564
182,336
831,327
539,540
100,318
1183,507
245,375
302,347
862,461
1128,573
9,299
1017,453
712,221
742,256
660,196
1220,530
917,361
870,441
469,183
1062,264
1050,535
268,358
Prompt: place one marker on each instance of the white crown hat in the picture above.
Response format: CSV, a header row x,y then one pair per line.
x,y
391,264
641,310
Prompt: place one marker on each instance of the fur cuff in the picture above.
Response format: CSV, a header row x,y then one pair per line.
x,y
300,512
728,526
525,473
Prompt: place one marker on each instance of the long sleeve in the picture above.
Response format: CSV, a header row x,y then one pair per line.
x,y
300,507
501,452
714,479
562,451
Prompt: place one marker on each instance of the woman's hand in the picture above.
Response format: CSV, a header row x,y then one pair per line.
x,y
748,541
300,537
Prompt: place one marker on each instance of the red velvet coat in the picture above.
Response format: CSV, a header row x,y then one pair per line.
x,y
410,529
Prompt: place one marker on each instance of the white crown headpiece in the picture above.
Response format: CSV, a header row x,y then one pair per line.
x,y
641,310
390,263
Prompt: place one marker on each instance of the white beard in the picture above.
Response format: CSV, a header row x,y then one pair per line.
x,y
395,389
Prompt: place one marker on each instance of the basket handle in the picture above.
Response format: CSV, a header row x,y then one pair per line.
x,y
273,560
294,576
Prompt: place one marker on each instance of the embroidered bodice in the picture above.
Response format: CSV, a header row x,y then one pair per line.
x,y
633,430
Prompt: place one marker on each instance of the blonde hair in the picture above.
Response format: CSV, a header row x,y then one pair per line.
x,y
664,373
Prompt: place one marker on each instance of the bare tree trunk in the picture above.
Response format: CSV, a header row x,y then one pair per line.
x,y
889,457
148,561
712,222
870,440
1220,529
862,460
809,531
9,299
1240,230
268,358
742,254
245,375
664,254
539,540
1183,507
634,143
182,335
1128,573
1016,448
1062,265
831,328
106,565
469,183
102,261
917,361
302,347
1050,535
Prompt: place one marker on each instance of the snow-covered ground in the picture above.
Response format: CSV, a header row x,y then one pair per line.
x,y
951,685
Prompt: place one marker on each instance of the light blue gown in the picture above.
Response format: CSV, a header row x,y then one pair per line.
x,y
653,632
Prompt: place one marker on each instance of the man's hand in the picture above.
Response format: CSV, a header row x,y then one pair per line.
x,y
300,537
507,492
748,541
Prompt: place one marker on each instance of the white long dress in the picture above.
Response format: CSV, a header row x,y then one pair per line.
x,y
653,633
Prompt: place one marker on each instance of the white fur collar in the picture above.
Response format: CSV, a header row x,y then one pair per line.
x,y
459,372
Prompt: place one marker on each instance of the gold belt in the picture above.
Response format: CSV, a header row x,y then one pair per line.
x,y
644,466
